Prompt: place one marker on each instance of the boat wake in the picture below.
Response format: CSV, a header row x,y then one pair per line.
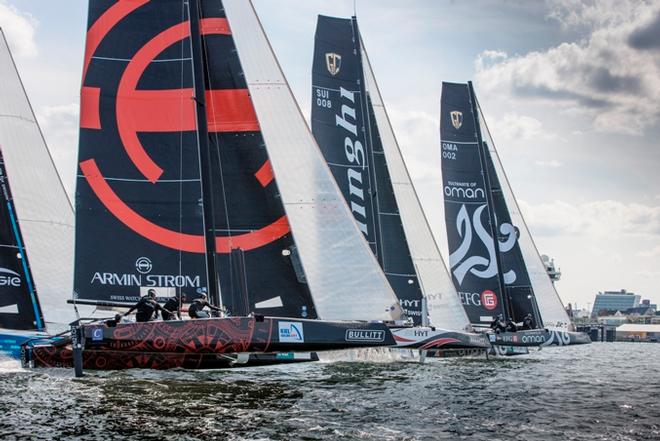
x,y
370,355
9,365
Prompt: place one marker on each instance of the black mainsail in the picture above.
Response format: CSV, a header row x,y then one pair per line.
x,y
19,304
148,196
141,167
256,252
139,211
344,125
492,256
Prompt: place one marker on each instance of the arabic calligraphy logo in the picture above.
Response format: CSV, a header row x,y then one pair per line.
x,y
479,266
456,119
333,63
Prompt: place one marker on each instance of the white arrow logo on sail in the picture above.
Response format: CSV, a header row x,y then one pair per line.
x,y
8,271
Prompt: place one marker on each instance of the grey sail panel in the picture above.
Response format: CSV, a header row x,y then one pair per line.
x,y
43,210
444,306
547,301
470,230
343,275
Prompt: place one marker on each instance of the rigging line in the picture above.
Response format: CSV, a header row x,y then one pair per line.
x,y
210,278
181,84
216,137
364,101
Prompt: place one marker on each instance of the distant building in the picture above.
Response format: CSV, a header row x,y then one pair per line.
x,y
635,332
647,302
613,320
609,302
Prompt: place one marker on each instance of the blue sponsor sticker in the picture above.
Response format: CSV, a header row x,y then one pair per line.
x,y
97,334
291,332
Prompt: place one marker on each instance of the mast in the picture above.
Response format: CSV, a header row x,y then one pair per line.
x,y
204,152
489,198
364,108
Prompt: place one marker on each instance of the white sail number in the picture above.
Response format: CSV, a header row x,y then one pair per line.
x,y
323,98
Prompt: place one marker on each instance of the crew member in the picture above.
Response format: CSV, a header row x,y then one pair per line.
x,y
510,326
528,322
497,325
172,308
147,307
196,309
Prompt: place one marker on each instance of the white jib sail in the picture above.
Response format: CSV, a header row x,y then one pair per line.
x,y
344,277
444,306
43,209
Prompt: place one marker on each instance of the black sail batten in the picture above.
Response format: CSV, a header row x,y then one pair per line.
x,y
139,211
19,304
199,80
258,264
344,125
473,259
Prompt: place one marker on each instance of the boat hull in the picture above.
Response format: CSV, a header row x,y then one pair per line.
x,y
62,357
539,337
11,341
427,338
207,343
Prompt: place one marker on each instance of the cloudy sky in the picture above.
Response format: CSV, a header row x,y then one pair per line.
x,y
570,90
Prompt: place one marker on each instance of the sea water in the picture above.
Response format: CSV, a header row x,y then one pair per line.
x,y
602,391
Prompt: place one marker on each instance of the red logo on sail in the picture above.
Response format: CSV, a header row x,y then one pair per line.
x,y
489,300
151,111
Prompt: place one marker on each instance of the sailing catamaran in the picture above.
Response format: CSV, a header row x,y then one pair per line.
x,y
354,133
479,206
35,215
198,174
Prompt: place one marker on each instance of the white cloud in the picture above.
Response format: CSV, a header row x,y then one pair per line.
x,y
19,30
600,218
553,163
606,77
648,274
514,127
653,252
